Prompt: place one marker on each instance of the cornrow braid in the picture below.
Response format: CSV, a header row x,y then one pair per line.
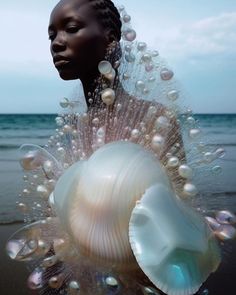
x,y
108,16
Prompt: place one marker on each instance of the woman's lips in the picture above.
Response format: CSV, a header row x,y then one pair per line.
x,y
61,63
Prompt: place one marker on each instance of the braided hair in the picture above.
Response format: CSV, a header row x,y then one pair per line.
x,y
108,16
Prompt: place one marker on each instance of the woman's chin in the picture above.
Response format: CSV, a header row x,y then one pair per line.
x,y
67,74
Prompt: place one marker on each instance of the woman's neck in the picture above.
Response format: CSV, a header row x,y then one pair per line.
x,y
93,87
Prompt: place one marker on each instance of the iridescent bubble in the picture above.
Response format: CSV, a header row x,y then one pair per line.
x,y
147,58
217,170
28,243
214,225
190,190
226,232
149,67
185,171
35,280
64,103
155,53
111,282
225,217
108,96
191,120
104,67
141,46
151,79
130,57
128,48
31,160
208,157
219,153
166,74
33,157
126,18
173,95
129,35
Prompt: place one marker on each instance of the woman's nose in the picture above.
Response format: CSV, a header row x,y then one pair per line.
x,y
59,43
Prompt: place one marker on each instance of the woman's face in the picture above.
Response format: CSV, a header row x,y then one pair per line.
x,y
78,42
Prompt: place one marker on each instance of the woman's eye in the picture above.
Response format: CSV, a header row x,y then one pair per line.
x,y
72,29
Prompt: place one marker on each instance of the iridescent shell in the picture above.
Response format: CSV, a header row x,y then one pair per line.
x,y
98,200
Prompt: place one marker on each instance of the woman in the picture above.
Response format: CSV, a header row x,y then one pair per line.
x,y
124,230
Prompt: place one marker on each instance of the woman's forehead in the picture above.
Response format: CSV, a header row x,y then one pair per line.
x,y
70,8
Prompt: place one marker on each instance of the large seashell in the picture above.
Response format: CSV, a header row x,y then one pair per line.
x,y
94,199
171,242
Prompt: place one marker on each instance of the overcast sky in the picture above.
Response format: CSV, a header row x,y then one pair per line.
x,y
197,38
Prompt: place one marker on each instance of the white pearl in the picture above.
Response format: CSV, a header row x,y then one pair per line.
x,y
42,191
108,96
104,67
166,74
190,190
157,142
173,162
141,46
112,282
162,122
126,18
185,171
146,58
135,133
193,133
74,285
173,95
31,160
64,103
140,85
129,35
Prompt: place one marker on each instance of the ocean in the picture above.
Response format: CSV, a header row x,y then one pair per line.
x,y
16,130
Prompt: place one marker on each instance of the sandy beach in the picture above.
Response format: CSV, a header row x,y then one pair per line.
x,y
13,274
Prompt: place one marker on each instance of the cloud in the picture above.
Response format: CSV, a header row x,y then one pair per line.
x,y
210,36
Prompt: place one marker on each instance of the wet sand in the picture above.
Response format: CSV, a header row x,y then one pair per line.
x,y
13,275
